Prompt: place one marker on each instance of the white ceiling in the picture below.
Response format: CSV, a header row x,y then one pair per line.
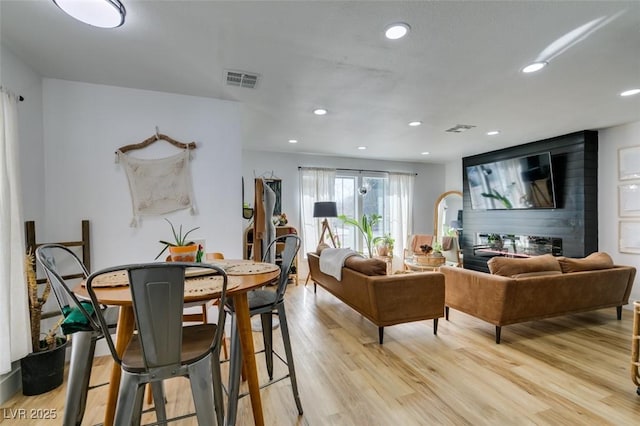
x,y
459,65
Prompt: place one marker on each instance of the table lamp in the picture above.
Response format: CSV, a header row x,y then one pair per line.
x,y
325,209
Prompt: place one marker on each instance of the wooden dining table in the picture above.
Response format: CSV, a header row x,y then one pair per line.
x,y
239,285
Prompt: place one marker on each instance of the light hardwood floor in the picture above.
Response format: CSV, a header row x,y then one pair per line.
x,y
572,370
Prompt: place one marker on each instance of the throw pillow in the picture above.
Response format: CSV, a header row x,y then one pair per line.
x,y
366,266
597,260
508,266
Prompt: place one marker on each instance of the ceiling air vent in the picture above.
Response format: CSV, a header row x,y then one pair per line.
x,y
459,128
241,79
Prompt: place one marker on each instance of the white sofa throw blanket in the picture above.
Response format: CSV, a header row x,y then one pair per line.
x,y
159,186
332,261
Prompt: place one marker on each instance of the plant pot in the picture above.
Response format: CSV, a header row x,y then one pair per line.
x,y
43,371
382,250
184,253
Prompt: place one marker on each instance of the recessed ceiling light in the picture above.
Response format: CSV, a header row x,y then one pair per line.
x,y
415,123
425,153
536,66
293,140
362,148
320,111
99,13
630,92
396,30
493,133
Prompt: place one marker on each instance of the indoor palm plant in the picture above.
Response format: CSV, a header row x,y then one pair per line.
x,y
365,226
181,249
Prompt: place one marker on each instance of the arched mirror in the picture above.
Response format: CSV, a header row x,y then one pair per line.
x,y
447,213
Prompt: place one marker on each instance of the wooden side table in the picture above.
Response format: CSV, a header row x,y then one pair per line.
x,y
388,260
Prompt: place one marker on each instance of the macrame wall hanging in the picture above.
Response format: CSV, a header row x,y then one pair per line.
x,y
158,186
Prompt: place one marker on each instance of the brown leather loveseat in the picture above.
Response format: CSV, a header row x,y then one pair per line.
x,y
520,290
384,299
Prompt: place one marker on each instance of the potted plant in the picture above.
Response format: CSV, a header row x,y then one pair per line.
x,y
42,370
431,255
384,245
494,241
365,226
181,249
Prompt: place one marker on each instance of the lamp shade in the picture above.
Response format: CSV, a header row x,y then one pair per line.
x,y
325,209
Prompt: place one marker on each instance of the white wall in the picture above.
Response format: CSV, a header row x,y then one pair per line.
x,y
84,124
17,77
609,141
453,175
429,183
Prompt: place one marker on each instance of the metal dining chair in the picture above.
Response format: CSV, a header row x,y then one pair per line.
x,y
163,347
266,303
60,264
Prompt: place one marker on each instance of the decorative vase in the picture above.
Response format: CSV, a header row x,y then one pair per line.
x,y
183,253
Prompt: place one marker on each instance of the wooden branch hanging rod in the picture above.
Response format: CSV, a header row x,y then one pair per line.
x,y
157,137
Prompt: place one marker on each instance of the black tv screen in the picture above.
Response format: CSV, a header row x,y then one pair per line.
x,y
515,183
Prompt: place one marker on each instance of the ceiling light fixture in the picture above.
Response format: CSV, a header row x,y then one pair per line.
x,y
415,123
362,148
320,111
293,140
630,92
536,66
493,133
396,30
99,13
425,153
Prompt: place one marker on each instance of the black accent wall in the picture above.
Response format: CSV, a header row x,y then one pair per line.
x,y
574,159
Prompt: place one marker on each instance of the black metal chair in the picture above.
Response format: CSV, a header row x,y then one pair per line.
x,y
163,347
61,264
266,303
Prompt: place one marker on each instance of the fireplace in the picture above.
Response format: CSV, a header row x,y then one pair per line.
x,y
489,245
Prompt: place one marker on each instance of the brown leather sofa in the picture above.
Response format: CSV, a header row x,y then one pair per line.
x,y
534,293
385,299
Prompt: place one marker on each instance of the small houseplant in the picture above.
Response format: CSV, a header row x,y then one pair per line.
x,y
181,249
365,226
384,245
42,370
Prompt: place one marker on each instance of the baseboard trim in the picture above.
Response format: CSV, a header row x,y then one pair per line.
x,y
10,383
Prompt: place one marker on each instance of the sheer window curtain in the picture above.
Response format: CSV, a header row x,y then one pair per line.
x,y
400,212
316,184
15,332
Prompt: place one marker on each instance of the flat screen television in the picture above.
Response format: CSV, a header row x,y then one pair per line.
x,y
515,183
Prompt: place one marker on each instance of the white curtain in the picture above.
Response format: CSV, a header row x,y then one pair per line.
x,y
316,184
400,212
15,332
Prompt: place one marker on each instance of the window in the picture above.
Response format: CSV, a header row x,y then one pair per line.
x,y
389,194
358,193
